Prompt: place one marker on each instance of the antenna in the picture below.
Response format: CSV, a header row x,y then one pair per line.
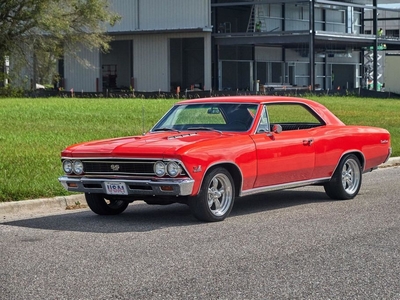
x,y
143,119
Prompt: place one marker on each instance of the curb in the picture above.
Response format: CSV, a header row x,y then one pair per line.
x,y
40,205
392,162
63,202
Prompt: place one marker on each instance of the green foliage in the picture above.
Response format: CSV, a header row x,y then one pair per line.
x,y
48,28
10,91
34,131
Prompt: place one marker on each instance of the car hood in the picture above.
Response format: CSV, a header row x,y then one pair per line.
x,y
150,145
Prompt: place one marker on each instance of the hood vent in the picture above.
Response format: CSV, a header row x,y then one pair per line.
x,y
181,136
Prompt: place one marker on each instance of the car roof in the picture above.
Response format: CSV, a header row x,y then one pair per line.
x,y
249,99
321,110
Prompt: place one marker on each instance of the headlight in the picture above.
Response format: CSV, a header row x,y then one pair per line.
x,y
77,167
173,169
67,166
159,168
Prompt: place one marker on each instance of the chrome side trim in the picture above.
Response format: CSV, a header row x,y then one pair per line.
x,y
283,186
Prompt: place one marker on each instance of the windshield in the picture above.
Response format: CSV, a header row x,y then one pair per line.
x,y
208,116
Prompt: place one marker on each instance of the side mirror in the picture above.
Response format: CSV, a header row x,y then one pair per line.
x,y
276,128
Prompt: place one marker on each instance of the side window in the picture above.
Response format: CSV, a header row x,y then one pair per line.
x,y
292,116
263,126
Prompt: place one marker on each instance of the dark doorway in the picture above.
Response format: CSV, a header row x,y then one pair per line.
x,y
343,76
236,75
117,67
187,63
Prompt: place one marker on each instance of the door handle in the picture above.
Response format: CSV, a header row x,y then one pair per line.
x,y
308,142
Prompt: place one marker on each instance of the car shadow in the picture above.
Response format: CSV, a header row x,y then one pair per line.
x,y
140,217
277,200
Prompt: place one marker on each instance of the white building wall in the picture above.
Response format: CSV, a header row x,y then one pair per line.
x,y
207,62
173,14
352,57
150,67
150,51
293,55
151,60
268,53
139,15
384,14
391,75
128,11
335,20
82,76
270,16
297,16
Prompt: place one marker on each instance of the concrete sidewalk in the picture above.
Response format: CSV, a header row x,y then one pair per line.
x,y
40,205
65,202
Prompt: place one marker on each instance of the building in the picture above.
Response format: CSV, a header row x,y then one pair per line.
x,y
158,45
388,60
235,45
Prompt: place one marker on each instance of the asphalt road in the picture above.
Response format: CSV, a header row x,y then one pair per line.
x,y
295,244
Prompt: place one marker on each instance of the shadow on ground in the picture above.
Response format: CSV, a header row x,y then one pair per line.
x,y
140,217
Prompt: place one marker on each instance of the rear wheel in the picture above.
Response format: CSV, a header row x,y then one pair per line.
x,y
215,199
101,206
346,181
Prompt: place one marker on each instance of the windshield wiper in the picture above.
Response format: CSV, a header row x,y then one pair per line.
x,y
166,129
204,128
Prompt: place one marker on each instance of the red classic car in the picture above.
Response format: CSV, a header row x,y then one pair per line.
x,y
206,152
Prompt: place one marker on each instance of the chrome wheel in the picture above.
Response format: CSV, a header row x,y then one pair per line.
x,y
216,196
220,195
351,176
346,181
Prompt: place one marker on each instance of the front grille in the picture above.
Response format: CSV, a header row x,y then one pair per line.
x,y
118,167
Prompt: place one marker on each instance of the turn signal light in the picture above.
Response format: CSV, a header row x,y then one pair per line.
x,y
167,188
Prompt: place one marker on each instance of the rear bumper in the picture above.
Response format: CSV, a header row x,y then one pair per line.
x,y
165,187
389,154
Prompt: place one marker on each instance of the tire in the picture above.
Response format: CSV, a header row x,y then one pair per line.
x,y
99,205
346,181
216,197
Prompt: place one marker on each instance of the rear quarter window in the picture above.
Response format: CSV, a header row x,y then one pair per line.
x,y
293,116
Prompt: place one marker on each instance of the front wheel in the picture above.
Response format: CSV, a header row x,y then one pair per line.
x,y
215,199
101,206
346,181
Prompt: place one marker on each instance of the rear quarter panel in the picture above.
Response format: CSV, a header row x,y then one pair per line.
x,y
332,143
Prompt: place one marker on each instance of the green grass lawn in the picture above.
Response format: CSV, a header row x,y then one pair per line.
x,y
34,131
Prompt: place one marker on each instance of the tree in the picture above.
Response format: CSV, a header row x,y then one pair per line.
x,y
32,28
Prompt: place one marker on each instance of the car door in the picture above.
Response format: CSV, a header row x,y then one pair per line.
x,y
288,156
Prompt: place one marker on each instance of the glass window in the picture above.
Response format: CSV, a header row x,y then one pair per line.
x,y
263,126
208,116
293,116
392,33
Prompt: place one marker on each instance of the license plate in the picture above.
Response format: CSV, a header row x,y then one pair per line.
x,y
116,188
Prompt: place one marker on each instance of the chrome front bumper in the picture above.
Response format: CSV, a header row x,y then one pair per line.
x,y
172,187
